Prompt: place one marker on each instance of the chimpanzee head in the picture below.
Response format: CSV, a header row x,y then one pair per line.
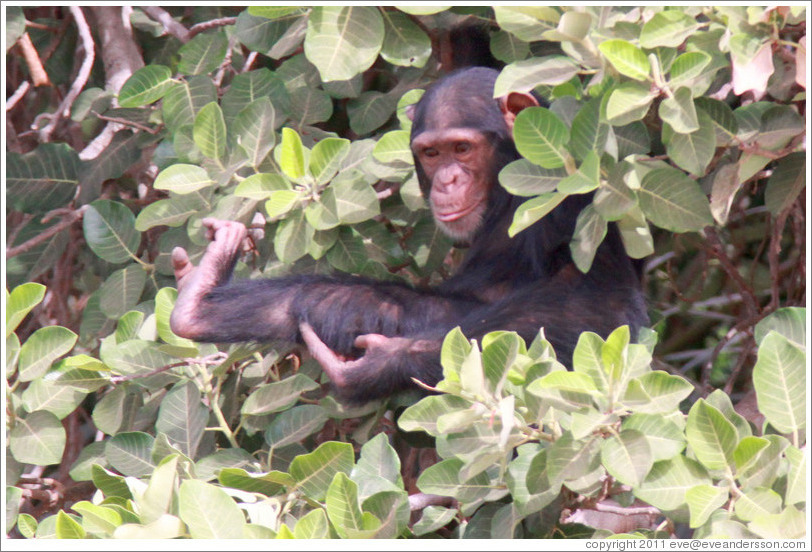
x,y
461,138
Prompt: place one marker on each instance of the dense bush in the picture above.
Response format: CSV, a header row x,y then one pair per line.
x,y
688,124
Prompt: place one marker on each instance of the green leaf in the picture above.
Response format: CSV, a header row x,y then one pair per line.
x,y
673,201
635,234
433,518
19,303
664,437
702,501
109,228
278,396
203,54
57,399
182,418
525,75
98,519
291,158
786,183
523,178
247,88
182,179
343,41
209,512
165,527
394,147
170,212
628,59
159,495
686,68
292,238
262,186
145,85
343,510
26,524
42,348
656,392
38,439
585,179
355,200
779,377
711,436
122,290
313,525
789,524
404,41
129,453
541,136
42,179
627,457
628,102
293,425
590,229
276,38
668,28
758,503
569,381
209,132
692,151
254,128
669,480
679,111
443,478
315,471
533,210
588,135
526,22
423,415
326,158
184,100
68,528
787,321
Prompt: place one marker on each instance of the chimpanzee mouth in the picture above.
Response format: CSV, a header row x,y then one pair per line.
x,y
451,216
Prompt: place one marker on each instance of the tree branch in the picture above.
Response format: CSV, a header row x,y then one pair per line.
x,y
69,219
81,78
171,26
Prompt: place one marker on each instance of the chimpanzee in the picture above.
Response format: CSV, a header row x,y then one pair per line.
x,y
461,139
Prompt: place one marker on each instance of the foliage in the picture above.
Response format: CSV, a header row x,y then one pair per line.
x,y
687,124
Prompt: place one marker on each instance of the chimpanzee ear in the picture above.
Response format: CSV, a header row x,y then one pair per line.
x,y
409,110
513,103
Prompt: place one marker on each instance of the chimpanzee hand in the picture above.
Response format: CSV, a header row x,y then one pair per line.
x,y
228,240
352,377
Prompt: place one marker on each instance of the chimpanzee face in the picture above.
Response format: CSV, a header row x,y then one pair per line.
x,y
458,164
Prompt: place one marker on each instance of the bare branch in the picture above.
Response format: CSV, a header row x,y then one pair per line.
x,y
81,78
206,25
69,219
35,68
171,26
18,95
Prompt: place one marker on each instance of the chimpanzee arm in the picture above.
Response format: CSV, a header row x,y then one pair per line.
x,y
209,308
390,364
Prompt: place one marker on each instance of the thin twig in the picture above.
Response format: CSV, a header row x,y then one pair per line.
x,y
127,122
171,26
206,25
249,61
32,60
717,250
69,219
18,95
81,78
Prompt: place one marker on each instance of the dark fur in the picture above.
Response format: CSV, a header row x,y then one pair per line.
x,y
519,284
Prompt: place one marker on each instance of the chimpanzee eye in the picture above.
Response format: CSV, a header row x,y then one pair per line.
x,y
462,147
430,152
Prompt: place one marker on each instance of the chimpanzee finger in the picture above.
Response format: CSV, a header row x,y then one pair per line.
x,y
328,360
369,341
180,263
